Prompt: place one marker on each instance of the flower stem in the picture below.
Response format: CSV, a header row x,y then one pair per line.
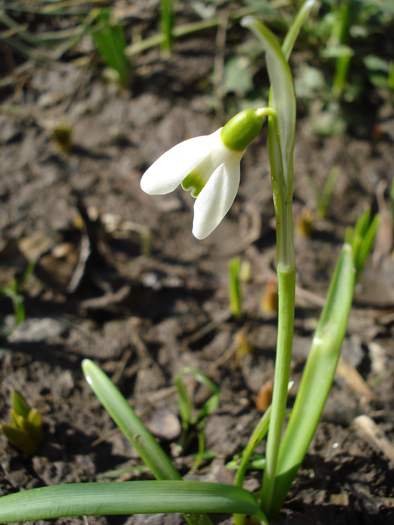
x,y
286,292
282,194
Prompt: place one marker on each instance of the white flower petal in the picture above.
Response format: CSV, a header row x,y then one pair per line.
x,y
171,168
216,198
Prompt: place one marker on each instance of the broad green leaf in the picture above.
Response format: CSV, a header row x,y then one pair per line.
x,y
133,497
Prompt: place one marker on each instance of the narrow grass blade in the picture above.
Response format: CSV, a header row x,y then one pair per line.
x,y
317,377
135,497
256,438
129,423
167,22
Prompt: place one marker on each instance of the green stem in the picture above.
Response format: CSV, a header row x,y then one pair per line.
x,y
286,292
286,271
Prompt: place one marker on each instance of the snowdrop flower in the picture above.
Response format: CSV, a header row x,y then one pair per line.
x,y
208,167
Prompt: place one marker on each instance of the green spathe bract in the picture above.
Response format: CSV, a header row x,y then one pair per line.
x,y
282,90
241,130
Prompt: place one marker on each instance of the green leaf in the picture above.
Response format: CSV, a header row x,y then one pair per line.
x,y
109,40
234,286
184,402
366,244
255,439
210,405
21,439
318,376
19,404
135,497
295,27
362,236
129,423
328,189
167,16
35,421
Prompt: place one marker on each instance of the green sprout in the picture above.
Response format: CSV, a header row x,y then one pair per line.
x,y
361,237
14,292
305,224
234,287
328,189
25,432
190,424
109,40
62,134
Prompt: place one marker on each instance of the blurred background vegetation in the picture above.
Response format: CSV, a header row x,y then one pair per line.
x,y
343,65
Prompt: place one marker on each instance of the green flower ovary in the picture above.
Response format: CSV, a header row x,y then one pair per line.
x,y
193,182
239,132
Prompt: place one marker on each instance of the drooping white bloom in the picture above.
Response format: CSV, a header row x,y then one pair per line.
x,y
209,167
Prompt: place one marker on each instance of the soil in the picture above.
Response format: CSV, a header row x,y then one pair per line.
x,y
142,314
